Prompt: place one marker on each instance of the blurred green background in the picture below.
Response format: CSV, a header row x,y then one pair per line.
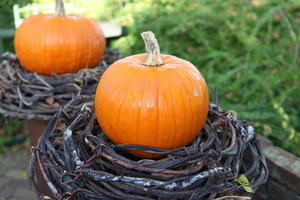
x,y
248,48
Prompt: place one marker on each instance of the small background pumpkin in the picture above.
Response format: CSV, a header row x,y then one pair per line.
x,y
47,43
162,102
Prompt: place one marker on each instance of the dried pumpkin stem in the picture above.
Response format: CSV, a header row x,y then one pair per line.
x,y
59,8
153,57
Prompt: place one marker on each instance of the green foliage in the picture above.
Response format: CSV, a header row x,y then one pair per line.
x,y
7,20
6,14
12,131
11,127
92,9
246,48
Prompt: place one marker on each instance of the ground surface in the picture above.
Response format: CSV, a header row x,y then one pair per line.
x,y
14,184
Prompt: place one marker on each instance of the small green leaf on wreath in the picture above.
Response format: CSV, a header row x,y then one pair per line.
x,y
248,189
242,180
245,183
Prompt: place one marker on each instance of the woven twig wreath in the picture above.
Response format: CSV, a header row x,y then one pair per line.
x,y
78,161
31,96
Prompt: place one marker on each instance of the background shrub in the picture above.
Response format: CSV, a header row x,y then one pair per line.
x,y
246,48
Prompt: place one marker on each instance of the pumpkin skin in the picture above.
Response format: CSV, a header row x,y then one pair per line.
x,y
47,43
163,106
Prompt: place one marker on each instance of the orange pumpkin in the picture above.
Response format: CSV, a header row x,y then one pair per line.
x,y
162,102
47,43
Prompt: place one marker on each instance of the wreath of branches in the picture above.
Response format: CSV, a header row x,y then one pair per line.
x,y
78,161
32,96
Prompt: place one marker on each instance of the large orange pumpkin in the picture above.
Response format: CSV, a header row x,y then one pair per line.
x,y
162,102
47,43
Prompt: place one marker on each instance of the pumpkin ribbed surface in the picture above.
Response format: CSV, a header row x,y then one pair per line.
x,y
46,43
163,106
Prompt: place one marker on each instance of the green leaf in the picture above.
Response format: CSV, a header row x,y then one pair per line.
x,y
245,183
248,189
242,180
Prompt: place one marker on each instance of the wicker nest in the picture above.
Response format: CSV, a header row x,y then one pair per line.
x,y
78,161
31,96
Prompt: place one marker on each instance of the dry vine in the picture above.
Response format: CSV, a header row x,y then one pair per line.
x,y
78,161
31,96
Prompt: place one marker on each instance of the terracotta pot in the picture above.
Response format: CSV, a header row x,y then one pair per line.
x,y
35,131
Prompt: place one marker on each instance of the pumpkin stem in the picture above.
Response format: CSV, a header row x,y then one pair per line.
x,y
153,57
59,8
